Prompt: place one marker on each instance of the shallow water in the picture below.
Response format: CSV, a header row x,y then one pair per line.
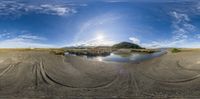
x,y
131,57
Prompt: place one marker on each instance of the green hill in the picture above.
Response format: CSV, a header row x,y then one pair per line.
x,y
127,45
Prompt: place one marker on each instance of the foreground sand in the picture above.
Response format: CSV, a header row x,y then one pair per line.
x,y
39,74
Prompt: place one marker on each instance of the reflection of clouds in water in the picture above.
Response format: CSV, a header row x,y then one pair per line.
x,y
133,57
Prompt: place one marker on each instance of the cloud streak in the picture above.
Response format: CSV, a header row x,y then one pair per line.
x,y
10,8
24,41
95,42
169,44
182,33
181,25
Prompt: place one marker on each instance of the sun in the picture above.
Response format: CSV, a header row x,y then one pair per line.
x,y
100,36
101,39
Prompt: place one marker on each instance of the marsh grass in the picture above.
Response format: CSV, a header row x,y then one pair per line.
x,y
144,50
90,52
175,50
57,51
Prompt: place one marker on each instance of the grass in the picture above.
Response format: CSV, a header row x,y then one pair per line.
x,y
90,51
57,52
144,50
175,50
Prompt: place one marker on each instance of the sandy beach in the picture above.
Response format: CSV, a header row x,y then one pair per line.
x,y
40,74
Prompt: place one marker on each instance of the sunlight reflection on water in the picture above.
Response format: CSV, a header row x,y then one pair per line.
x,y
99,59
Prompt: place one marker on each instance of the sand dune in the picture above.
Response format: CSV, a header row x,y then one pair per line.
x,y
40,74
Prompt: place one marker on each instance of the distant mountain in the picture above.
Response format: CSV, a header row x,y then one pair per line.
x,y
119,45
127,45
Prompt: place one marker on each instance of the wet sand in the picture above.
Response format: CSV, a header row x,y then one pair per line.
x,y
40,74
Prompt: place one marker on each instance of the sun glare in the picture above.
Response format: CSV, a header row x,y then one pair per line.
x,y
99,59
100,37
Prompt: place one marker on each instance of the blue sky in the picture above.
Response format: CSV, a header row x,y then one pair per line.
x,y
59,23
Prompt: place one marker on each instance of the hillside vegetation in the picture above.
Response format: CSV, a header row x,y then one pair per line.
x,y
127,45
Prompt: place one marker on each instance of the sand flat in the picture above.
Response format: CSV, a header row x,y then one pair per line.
x,y
40,74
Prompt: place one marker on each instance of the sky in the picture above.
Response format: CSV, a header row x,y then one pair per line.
x,y
63,23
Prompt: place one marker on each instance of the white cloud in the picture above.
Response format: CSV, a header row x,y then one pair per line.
x,y
98,43
181,34
181,25
4,35
134,40
95,42
53,9
32,37
24,41
168,44
183,43
156,44
14,8
180,17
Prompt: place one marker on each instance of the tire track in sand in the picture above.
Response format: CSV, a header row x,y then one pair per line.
x,y
10,66
174,81
49,80
132,83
